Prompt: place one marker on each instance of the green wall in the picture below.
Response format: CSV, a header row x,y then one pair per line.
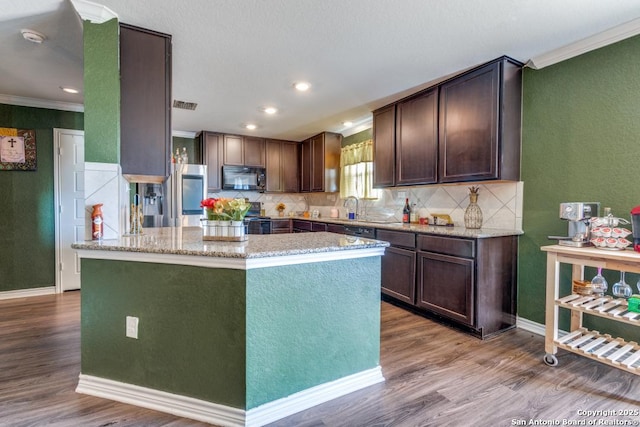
x,y
191,144
191,333
334,321
102,92
581,127
27,236
234,337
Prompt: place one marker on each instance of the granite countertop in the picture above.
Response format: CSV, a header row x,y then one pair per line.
x,y
188,241
481,233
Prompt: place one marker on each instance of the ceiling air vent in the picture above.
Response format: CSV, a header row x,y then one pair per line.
x,y
184,105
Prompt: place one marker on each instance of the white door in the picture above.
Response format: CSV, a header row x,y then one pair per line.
x,y
69,196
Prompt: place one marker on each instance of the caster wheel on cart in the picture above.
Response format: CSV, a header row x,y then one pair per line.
x,y
550,359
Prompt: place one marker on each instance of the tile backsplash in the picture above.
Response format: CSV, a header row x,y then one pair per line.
x,y
501,202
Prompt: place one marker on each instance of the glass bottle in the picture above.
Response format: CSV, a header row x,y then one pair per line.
x,y
599,283
406,212
413,216
185,156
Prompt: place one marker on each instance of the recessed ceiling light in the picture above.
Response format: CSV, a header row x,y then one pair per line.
x,y
302,86
251,126
347,124
32,36
270,110
69,89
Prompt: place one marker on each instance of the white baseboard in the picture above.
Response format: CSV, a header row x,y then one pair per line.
x,y
535,327
23,293
162,401
222,415
305,399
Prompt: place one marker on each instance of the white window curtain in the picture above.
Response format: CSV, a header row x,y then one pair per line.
x,y
356,171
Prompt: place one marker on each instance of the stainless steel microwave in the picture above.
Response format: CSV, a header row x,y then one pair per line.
x,y
244,178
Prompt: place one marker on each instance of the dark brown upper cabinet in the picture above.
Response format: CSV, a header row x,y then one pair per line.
x,y
384,137
466,128
243,150
211,144
282,166
416,150
320,163
480,114
145,104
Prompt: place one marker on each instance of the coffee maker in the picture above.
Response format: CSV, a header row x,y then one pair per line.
x,y
578,216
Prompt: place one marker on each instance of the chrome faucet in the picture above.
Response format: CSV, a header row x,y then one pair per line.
x,y
346,201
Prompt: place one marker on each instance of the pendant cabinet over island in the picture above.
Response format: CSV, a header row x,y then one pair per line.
x,y
145,104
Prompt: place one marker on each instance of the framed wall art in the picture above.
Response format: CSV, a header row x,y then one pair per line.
x,y
17,149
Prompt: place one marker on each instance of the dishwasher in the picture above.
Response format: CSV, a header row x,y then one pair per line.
x,y
357,230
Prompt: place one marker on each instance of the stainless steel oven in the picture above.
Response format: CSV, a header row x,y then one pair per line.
x,y
255,223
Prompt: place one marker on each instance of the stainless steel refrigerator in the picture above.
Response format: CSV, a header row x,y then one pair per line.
x,y
186,188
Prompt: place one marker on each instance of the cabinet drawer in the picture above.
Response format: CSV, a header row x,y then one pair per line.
x,y
447,245
280,226
397,238
318,226
301,225
335,228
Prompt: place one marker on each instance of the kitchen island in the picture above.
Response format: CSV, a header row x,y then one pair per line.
x,y
240,333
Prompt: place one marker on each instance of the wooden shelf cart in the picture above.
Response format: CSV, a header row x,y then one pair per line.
x,y
601,347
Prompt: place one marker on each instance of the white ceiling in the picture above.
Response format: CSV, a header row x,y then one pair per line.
x,y
233,57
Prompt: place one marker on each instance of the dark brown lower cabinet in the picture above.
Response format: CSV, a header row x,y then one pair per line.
x,y
470,281
280,225
318,226
399,274
335,228
465,281
303,226
445,286
398,278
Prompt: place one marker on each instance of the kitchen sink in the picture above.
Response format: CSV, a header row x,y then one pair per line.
x,y
380,220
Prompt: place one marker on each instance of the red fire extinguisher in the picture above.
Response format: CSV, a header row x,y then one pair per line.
x,y
96,222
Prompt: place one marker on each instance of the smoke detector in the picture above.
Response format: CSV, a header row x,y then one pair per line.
x,y
33,36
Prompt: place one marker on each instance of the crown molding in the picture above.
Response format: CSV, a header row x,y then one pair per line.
x,y
183,134
94,12
358,125
41,103
605,38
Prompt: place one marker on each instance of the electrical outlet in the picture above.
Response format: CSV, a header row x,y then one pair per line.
x,y
132,327
402,195
268,198
331,197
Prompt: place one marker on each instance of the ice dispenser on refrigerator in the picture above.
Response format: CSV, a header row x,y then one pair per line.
x,y
153,201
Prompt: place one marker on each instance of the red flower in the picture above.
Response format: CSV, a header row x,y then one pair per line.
x,y
208,203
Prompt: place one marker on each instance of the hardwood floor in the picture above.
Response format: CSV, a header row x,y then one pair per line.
x,y
435,376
